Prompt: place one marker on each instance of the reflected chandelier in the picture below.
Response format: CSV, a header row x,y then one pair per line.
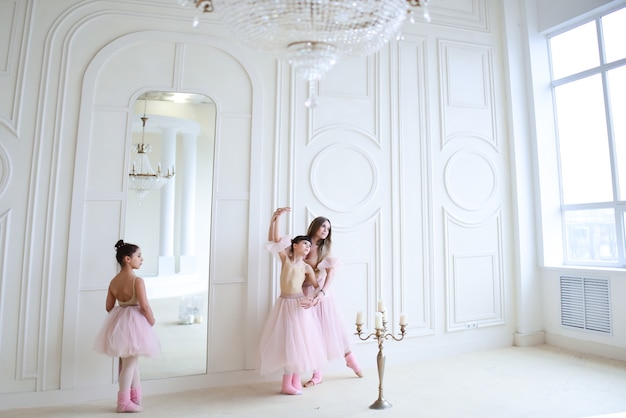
x,y
313,35
142,177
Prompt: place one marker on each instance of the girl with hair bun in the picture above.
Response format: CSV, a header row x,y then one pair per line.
x,y
290,339
335,336
127,331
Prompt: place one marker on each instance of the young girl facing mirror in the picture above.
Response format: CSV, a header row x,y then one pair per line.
x,y
127,331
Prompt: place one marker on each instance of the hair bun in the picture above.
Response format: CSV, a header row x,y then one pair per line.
x,y
119,244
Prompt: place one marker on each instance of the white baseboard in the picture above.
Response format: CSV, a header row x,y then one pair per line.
x,y
588,347
529,339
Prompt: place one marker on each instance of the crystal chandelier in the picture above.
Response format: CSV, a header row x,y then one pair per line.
x,y
142,177
313,35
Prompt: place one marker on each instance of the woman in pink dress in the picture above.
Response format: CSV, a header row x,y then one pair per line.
x,y
127,331
334,331
290,339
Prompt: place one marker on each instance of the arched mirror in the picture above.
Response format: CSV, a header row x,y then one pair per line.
x,y
168,214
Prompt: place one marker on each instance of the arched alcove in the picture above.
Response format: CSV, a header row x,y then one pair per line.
x,y
153,61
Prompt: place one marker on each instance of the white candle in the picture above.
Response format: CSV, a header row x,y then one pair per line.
x,y
381,305
378,324
403,319
359,318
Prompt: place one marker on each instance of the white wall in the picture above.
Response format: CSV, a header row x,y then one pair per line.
x,y
409,153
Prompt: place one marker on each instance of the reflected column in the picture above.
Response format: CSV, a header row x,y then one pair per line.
x,y
188,204
167,261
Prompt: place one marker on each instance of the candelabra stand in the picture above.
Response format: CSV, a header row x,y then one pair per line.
x,y
381,335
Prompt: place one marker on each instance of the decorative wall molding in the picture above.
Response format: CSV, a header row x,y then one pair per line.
x,y
474,273
466,71
355,85
13,29
4,236
8,29
466,14
5,169
355,188
411,171
471,179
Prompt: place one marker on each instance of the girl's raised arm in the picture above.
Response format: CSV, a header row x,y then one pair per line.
x,y
274,233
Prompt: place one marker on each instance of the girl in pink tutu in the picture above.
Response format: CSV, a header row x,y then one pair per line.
x,y
334,331
290,339
127,331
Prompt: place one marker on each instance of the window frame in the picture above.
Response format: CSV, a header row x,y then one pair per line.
x,y
618,207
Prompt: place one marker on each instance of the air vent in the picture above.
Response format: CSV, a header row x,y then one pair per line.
x,y
585,304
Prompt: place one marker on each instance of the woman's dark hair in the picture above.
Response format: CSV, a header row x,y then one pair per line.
x,y
124,249
323,245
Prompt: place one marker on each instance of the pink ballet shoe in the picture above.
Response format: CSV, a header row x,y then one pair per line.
x,y
296,382
316,379
352,363
287,388
135,395
124,404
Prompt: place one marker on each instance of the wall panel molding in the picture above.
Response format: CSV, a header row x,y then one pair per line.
x,y
477,168
4,236
474,273
467,91
14,27
412,195
466,14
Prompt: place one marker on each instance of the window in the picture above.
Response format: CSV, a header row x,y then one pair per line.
x,y
589,93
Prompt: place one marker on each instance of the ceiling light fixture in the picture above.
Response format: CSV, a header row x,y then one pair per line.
x,y
313,35
142,177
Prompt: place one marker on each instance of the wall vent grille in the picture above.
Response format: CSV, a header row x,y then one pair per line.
x,y
585,304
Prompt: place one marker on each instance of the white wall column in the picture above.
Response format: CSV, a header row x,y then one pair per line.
x,y
167,261
188,204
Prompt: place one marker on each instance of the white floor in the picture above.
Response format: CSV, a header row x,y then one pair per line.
x,y
526,382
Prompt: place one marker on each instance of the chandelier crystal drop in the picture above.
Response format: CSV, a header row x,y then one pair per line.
x,y
312,35
142,177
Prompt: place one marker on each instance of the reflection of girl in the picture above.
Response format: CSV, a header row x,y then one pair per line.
x,y
334,332
290,339
127,330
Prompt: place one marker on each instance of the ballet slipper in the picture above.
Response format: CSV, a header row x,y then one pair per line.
x,y
296,382
316,379
287,388
352,363
124,404
135,395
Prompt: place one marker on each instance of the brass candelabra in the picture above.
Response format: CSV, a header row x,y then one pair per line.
x,y
381,335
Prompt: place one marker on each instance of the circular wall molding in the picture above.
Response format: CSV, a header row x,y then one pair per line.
x,y
343,177
5,169
470,179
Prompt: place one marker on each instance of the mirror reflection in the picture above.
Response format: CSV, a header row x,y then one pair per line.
x,y
168,214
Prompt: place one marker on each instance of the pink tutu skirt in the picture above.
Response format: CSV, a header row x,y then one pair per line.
x,y
330,318
126,333
291,340
334,330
